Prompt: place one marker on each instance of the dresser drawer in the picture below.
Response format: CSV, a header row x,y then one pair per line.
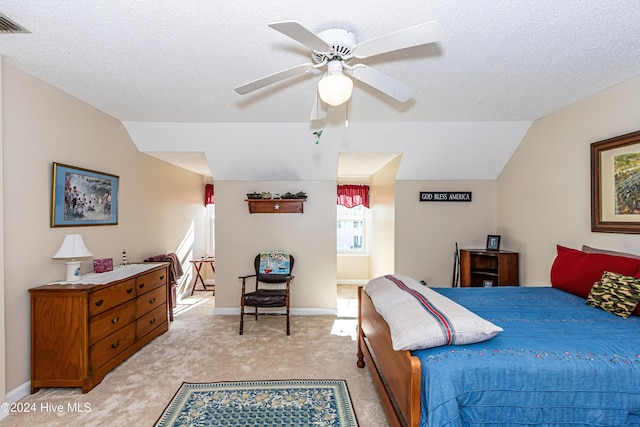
x,y
150,321
111,320
151,300
108,348
107,298
150,281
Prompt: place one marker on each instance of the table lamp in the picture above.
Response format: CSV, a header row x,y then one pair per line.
x,y
73,247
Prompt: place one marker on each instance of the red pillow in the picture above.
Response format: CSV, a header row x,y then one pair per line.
x,y
636,312
575,271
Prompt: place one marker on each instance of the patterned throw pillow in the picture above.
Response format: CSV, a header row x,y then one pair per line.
x,y
616,294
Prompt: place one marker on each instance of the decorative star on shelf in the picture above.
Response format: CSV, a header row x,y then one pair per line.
x,y
276,207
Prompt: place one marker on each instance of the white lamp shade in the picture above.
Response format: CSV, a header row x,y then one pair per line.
x,y
335,89
73,247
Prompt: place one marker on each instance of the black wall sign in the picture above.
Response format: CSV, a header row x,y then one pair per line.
x,y
445,196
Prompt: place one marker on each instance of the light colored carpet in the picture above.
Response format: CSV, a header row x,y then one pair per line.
x,y
201,347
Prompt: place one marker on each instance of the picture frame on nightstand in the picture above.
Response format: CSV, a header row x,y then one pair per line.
x,y
493,243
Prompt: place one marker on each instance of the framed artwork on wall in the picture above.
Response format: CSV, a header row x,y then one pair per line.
x,y
615,184
83,197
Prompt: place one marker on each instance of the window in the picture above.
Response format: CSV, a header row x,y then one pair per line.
x,y
351,227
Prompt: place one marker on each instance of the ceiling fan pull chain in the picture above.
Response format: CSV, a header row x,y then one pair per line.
x,y
346,115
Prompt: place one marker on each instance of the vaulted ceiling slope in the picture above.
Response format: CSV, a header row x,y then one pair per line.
x,y
151,63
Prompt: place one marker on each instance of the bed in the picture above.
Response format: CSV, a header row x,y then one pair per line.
x,y
557,361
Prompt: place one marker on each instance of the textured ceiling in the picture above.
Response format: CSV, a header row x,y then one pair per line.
x,y
160,61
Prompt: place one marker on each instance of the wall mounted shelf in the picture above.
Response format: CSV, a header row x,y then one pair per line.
x,y
276,205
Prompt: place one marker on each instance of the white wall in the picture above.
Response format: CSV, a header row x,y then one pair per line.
x,y
544,191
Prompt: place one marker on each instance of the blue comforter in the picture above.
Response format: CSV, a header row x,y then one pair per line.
x,y
559,362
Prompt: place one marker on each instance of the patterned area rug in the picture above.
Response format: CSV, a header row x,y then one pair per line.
x,y
261,403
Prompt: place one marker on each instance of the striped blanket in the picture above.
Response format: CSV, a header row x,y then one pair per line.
x,y
418,317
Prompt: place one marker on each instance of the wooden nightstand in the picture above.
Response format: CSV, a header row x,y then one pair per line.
x,y
479,267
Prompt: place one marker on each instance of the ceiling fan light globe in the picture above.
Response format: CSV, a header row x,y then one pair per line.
x,y
335,89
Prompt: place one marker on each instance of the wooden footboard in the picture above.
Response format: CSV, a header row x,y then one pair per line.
x,y
396,374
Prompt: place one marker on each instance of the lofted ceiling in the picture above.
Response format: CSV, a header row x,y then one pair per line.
x,y
160,65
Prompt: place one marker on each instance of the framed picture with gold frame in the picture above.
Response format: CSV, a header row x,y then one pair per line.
x,y
615,184
83,197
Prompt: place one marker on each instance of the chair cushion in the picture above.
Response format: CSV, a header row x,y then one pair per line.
x,y
266,298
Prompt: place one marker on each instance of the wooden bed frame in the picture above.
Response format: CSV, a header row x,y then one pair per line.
x,y
396,374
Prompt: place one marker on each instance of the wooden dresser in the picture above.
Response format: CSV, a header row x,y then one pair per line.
x,y
81,331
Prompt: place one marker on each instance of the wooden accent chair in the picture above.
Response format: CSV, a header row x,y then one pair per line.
x,y
264,296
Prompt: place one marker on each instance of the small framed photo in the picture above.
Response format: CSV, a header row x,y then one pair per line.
x,y
493,243
83,197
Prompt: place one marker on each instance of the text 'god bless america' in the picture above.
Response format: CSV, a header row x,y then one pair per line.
x,y
445,196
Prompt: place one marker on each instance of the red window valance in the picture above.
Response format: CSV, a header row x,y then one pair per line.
x,y
208,194
353,195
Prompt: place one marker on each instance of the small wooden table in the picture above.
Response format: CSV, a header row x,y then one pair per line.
x,y
198,263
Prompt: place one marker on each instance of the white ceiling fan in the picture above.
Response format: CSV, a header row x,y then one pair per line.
x,y
334,48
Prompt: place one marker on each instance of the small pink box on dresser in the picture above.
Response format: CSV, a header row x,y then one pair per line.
x,y
102,265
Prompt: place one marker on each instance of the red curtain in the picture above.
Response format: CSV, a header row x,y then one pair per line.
x,y
208,194
353,195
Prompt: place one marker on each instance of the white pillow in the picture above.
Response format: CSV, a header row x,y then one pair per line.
x,y
419,317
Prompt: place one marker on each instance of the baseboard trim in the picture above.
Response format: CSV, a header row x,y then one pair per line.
x,y
352,282
230,311
15,395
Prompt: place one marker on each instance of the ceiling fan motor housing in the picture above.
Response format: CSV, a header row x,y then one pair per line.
x,y
342,43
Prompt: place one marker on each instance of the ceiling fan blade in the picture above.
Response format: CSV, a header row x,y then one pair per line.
x,y
318,111
302,35
425,33
273,78
381,82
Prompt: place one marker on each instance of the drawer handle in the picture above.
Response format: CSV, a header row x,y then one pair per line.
x,y
152,321
116,344
141,285
114,321
99,303
129,290
152,300
162,277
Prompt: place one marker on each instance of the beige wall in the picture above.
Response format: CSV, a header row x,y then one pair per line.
x,y
353,269
3,377
310,237
544,191
160,206
382,200
426,232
